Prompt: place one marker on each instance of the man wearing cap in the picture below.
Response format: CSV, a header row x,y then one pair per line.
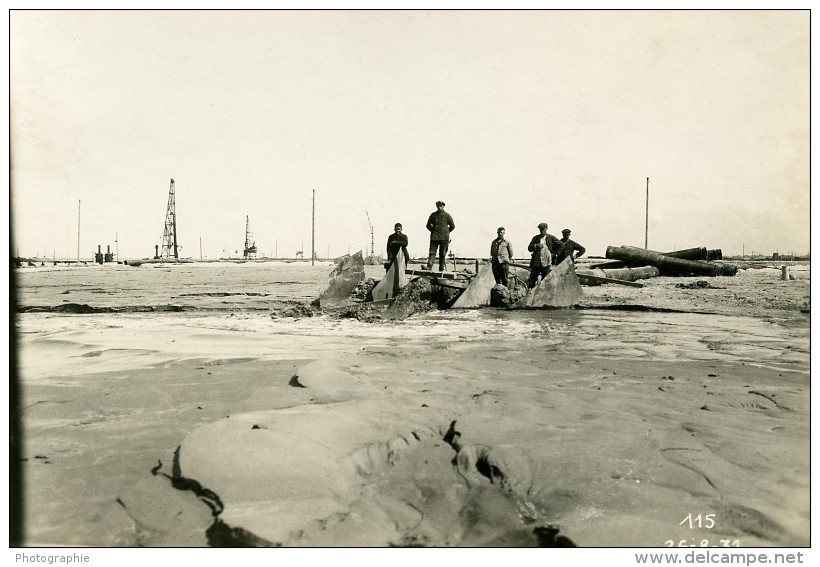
x,y
571,249
545,248
501,253
396,242
440,224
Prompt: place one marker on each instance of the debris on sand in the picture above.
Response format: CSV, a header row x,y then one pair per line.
x,y
501,296
296,311
362,291
343,280
415,297
699,284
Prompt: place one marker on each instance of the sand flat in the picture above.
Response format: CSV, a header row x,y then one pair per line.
x,y
478,428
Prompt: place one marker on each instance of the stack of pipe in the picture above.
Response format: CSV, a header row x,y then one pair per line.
x,y
700,253
674,263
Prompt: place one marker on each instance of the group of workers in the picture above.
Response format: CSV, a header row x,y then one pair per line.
x,y
546,249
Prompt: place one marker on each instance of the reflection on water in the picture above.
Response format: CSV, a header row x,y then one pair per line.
x,y
216,286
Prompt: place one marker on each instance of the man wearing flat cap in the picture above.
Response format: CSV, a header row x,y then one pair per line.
x,y
572,249
396,242
440,224
545,249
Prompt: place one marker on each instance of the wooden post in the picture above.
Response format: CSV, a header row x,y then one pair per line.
x,y
79,204
313,231
646,233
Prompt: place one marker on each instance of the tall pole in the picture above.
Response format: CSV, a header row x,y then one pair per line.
x,y
79,203
117,242
200,248
313,231
646,234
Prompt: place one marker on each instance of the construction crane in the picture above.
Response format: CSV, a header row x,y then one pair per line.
x,y
372,252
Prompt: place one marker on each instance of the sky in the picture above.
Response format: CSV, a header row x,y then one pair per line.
x,y
511,117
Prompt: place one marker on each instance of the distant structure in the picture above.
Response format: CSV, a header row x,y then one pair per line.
x,y
372,243
101,258
250,244
169,237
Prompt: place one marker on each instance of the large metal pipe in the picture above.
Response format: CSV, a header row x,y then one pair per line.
x,y
699,253
688,254
625,274
668,265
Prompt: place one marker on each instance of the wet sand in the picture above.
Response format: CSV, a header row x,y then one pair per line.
x,y
455,429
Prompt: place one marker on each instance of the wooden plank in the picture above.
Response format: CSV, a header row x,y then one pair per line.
x,y
451,283
431,274
382,301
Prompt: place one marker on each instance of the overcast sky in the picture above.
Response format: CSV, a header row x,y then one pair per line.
x,y
510,117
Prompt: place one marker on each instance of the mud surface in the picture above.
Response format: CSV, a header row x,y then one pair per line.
x,y
602,425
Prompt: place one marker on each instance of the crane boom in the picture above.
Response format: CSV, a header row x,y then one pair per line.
x,y
372,252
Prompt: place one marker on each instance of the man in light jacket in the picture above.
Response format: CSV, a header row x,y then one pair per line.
x,y
501,253
545,249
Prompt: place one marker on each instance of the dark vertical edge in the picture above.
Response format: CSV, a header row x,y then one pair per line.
x,y
16,484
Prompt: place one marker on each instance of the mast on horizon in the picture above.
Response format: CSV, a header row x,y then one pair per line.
x,y
372,252
250,243
170,248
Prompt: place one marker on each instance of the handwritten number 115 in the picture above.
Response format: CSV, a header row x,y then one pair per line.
x,y
706,521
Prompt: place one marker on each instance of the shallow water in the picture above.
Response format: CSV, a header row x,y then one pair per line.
x,y
222,286
228,307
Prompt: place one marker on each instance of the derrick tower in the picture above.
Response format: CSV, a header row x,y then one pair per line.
x,y
169,237
250,243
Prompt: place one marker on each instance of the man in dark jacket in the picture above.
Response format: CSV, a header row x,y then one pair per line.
x,y
545,249
396,242
440,224
571,249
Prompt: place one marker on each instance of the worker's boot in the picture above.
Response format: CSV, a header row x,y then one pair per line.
x,y
430,261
